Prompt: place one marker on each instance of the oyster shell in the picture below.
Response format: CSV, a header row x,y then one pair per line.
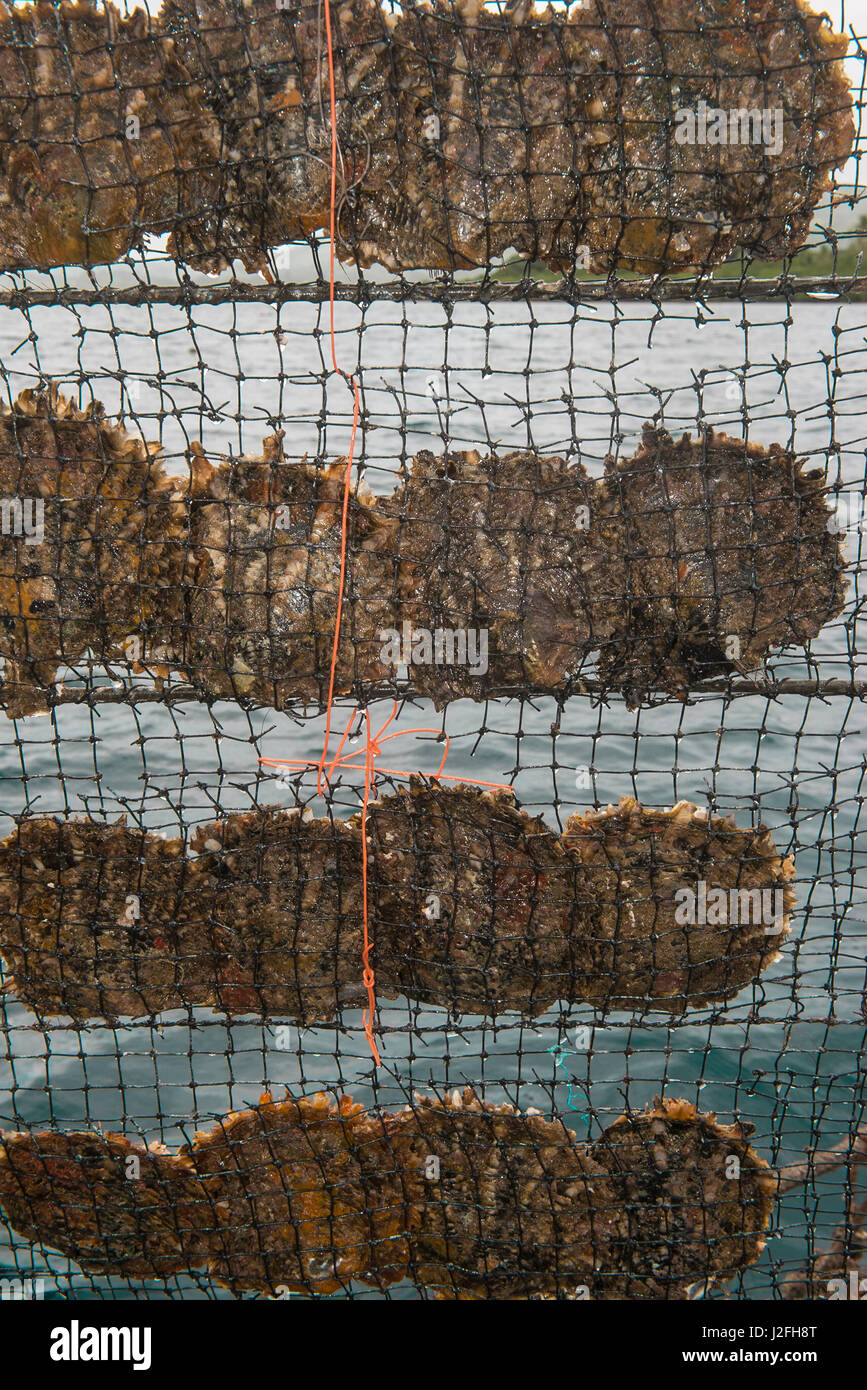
x,y
473,905
101,567
310,1194
104,135
463,132
691,559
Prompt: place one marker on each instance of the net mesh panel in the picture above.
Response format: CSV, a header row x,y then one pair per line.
x,y
513,360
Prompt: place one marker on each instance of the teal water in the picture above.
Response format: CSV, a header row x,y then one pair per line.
x,y
787,1055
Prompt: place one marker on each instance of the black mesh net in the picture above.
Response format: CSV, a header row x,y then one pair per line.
x,y
531,963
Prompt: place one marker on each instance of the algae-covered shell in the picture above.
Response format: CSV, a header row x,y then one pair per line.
x,y
687,908
91,556
474,906
310,1194
464,133
726,553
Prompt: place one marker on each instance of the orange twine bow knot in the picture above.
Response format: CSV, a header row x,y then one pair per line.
x,y
324,771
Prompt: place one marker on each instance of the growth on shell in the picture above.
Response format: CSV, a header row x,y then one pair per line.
x,y
229,577
464,133
473,905
311,1194
107,559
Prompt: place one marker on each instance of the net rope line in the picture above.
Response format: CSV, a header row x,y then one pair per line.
x,y
445,291
123,693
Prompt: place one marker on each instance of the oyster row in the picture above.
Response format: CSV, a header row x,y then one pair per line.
x,y
691,559
628,134
473,906
467,1200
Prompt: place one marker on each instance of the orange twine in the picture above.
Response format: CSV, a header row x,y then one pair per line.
x,y
373,742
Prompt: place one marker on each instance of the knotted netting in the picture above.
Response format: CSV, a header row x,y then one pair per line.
x,y
439,830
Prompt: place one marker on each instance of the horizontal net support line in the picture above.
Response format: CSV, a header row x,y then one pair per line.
x,y
145,694
447,292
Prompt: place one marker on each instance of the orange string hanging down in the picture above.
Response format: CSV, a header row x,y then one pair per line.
x,y
368,977
351,382
373,742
